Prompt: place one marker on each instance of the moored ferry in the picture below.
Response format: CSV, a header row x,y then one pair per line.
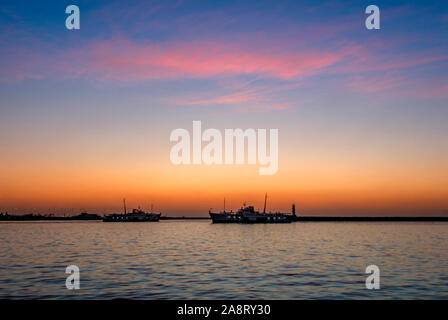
x,y
247,214
136,215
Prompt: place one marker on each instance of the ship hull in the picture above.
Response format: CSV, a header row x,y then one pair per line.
x,y
249,219
131,218
267,219
225,218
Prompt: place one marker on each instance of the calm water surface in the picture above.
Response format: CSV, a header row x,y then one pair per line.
x,y
199,260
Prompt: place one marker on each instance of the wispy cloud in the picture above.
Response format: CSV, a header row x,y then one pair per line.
x,y
124,60
197,47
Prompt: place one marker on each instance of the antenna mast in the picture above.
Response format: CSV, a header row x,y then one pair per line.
x,y
265,198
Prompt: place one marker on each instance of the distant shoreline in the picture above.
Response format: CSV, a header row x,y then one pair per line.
x,y
297,219
184,218
373,219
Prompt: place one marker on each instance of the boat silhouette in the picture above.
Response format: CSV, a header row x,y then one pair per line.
x,y
136,215
247,214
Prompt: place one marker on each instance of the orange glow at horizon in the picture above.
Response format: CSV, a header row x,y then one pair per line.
x,y
192,190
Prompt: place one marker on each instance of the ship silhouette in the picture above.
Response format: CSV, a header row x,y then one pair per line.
x,y
136,215
247,214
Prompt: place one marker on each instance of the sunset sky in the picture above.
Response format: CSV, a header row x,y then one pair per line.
x,y
86,115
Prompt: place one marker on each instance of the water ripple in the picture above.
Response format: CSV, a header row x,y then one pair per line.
x,y
199,260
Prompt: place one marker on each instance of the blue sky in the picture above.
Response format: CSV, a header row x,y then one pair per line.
x,y
351,104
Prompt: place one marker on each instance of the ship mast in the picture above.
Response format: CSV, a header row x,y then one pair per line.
x,y
224,204
265,198
124,205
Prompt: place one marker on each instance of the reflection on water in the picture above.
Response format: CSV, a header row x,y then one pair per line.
x,y
199,260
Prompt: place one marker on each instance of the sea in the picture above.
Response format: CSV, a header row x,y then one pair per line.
x,y
183,259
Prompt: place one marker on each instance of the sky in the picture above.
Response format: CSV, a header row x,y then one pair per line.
x,y
86,115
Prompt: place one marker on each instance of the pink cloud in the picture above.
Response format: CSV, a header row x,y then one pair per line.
x,y
125,61
257,98
237,97
122,60
245,96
